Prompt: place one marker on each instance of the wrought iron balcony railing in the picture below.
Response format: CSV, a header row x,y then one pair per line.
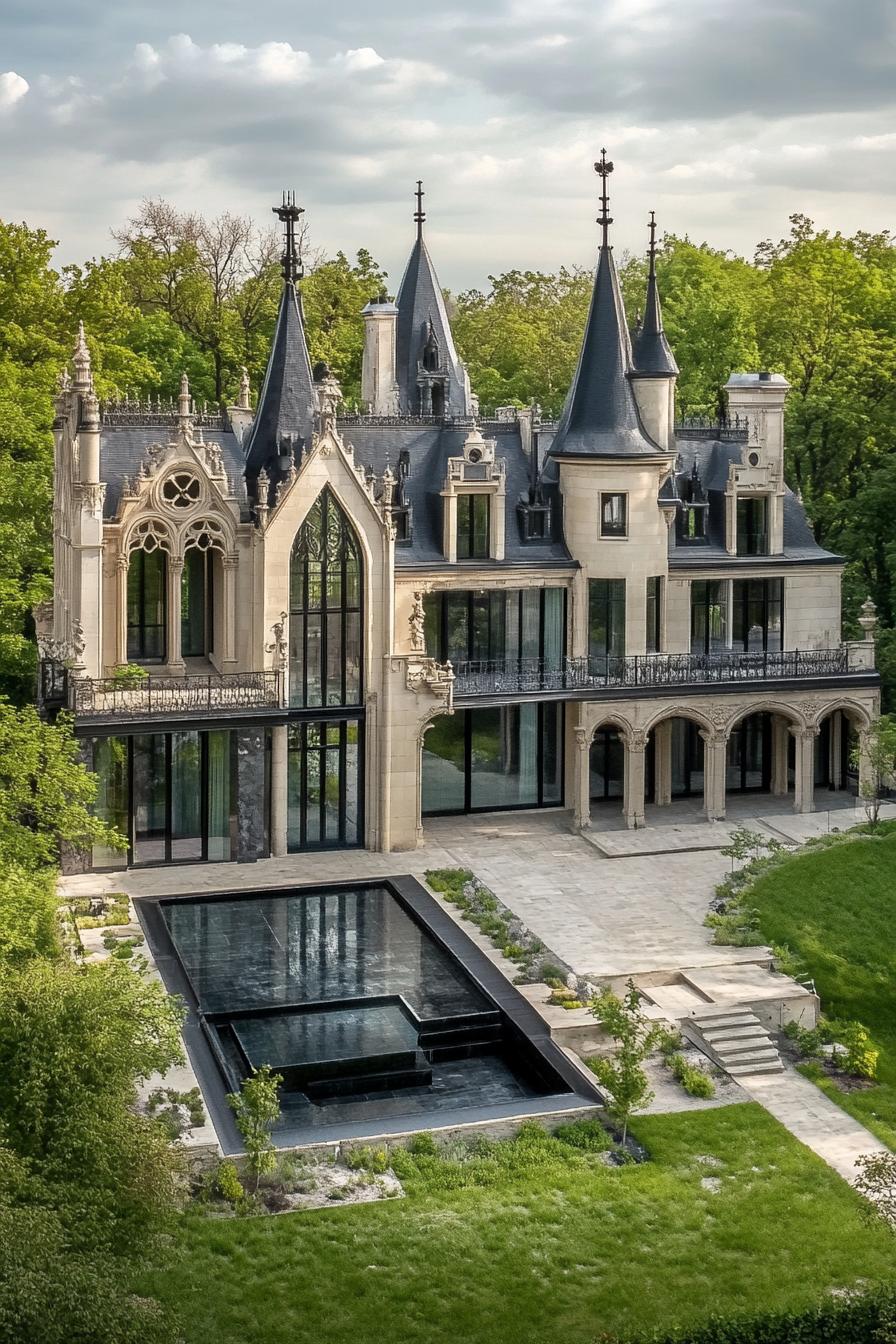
x,y
522,676
217,694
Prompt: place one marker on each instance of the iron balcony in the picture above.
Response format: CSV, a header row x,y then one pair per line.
x,y
580,678
216,695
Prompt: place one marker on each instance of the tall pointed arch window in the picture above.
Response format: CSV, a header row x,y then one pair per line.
x,y
326,609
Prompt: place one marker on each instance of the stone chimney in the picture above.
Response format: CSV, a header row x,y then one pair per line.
x,y
379,389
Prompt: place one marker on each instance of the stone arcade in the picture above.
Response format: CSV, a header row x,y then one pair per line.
x,y
348,622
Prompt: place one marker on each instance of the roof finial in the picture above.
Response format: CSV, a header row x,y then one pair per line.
x,y
290,213
603,168
419,213
651,253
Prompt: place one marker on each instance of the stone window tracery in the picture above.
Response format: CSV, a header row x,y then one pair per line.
x,y
206,534
150,536
182,490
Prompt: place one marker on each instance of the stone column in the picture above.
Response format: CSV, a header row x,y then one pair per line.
x,y
715,751
279,792
250,791
633,793
780,740
804,774
835,754
175,574
229,565
582,784
662,763
121,611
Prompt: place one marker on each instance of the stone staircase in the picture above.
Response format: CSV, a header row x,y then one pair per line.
x,y
734,1038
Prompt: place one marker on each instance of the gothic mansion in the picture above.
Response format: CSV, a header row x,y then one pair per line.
x,y
348,623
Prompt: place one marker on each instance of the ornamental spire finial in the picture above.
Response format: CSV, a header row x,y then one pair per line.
x,y
651,251
290,213
603,168
419,213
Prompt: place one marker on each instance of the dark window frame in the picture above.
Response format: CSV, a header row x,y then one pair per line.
x,y
654,601
298,746
750,537
747,595
305,610
436,609
137,630
473,547
707,595
607,600
468,809
610,528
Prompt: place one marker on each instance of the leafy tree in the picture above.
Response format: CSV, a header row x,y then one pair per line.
x,y
333,295
634,1037
877,1182
45,791
879,748
74,1042
256,1109
28,923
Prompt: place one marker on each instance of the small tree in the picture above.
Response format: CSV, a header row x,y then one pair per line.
x,y
256,1109
634,1037
746,845
877,752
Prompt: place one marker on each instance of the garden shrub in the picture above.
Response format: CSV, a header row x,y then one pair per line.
x,y
858,1055
695,1081
588,1135
368,1158
228,1183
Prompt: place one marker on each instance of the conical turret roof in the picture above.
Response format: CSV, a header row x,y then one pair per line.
x,y
286,405
651,351
423,318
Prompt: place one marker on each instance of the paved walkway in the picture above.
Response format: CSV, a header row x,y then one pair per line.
x,y
814,1119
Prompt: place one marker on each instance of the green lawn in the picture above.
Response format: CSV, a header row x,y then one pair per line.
x,y
559,1253
836,908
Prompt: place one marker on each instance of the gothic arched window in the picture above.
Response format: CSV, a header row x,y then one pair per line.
x,y
325,605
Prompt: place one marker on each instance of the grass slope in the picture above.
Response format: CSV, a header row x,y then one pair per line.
x,y
559,1254
836,908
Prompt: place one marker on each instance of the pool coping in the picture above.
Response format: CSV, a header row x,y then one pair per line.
x,y
425,909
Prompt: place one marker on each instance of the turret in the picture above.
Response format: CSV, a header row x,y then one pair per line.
x,y
654,369
430,376
286,405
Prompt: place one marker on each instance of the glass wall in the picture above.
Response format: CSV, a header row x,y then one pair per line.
x,y
197,603
709,615
324,785
748,764
474,626
473,527
687,759
504,756
606,621
607,765
172,795
147,606
757,615
325,597
752,525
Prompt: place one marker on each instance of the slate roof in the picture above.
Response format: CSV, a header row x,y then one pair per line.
x,y
600,418
287,402
712,460
420,303
123,448
429,447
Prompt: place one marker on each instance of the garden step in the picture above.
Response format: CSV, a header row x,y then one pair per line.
x,y
719,1020
741,1070
737,1034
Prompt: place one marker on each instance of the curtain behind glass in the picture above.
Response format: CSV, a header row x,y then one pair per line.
x,y
218,796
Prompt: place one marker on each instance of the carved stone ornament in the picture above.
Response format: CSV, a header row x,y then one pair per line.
x,y
279,646
417,622
427,674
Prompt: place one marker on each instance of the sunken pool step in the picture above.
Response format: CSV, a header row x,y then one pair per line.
x,y
420,1075
459,1037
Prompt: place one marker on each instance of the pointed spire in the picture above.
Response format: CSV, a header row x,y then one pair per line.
x,y
286,402
423,319
652,354
184,401
419,213
289,214
600,418
604,168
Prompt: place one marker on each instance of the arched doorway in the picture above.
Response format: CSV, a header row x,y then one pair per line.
x,y
838,734
606,773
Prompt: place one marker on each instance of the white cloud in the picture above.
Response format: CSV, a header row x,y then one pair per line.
x,y
361,58
12,88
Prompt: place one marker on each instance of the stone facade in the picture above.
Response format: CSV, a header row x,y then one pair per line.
x,y
176,537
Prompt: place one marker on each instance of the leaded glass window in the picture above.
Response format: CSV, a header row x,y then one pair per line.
x,y
325,596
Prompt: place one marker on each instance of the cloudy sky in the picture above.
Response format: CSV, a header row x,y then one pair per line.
x,y
723,116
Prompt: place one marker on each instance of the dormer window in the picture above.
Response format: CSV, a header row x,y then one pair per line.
x,y
535,520
693,516
431,352
752,525
401,520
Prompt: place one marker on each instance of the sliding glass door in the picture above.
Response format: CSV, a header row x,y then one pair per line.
x,y
483,760
324,784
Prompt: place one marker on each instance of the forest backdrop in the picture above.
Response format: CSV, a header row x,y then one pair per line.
x,y
182,293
